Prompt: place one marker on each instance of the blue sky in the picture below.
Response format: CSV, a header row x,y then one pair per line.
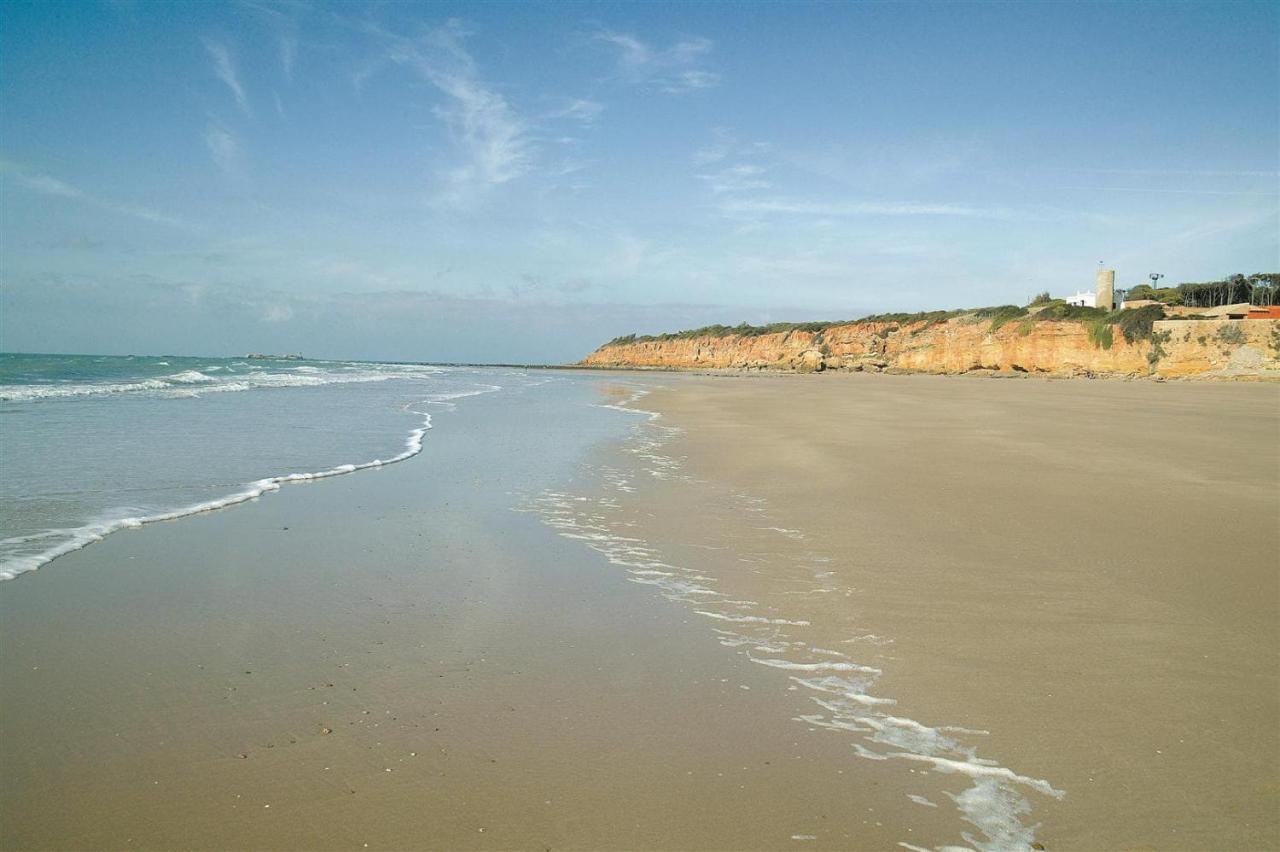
x,y
518,182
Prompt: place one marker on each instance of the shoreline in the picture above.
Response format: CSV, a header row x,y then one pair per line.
x,y
1136,672
776,614
746,372
410,658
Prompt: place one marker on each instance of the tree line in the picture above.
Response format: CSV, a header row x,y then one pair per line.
x,y
1260,288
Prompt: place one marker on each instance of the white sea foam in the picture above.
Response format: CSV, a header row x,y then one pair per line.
x,y
182,383
751,619
188,377
814,667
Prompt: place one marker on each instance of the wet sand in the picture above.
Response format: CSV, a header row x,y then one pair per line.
x,y
1086,571
397,659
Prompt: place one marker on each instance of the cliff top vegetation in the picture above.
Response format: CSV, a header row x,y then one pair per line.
x,y
1134,324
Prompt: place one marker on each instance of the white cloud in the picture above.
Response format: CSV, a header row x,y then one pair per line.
x,y
724,145
50,186
674,70
46,185
581,110
634,54
224,67
224,148
1166,191
785,207
288,56
491,136
688,81
740,178
277,313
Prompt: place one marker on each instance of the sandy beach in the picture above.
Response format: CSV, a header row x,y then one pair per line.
x,y
402,658
792,612
1086,571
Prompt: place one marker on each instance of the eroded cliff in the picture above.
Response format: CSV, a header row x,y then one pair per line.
x,y
968,343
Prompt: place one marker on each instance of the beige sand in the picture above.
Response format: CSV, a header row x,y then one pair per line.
x,y
1086,570
397,660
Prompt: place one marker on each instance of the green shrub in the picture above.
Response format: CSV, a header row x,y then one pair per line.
x,y
1100,334
1136,324
1001,314
1230,334
928,317
739,330
1157,352
1042,298
1059,311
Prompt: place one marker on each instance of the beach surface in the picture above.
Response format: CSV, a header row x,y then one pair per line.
x,y
627,611
1085,571
404,657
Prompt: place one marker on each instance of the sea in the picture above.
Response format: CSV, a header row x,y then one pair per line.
x,y
92,444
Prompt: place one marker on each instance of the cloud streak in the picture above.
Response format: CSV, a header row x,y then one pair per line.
x,y
582,110
224,148
675,70
224,67
740,178
288,56
51,186
492,138
784,207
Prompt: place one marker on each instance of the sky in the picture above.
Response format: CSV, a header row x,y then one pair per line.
x,y
519,182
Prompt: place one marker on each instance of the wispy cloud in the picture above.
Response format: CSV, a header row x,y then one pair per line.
x,y
1165,191
674,70
224,67
224,148
492,137
689,81
740,178
288,56
1170,244
784,207
724,145
51,186
582,110
1167,172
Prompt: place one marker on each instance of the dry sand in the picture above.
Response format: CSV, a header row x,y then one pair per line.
x,y
1088,571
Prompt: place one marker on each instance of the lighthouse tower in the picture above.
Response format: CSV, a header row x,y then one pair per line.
x,y
1106,289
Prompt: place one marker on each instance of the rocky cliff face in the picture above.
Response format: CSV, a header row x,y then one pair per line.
x,y
967,344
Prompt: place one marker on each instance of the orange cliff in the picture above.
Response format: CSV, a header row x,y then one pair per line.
x,y
1247,348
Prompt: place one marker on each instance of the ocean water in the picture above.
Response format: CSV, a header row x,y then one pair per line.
x,y
93,444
